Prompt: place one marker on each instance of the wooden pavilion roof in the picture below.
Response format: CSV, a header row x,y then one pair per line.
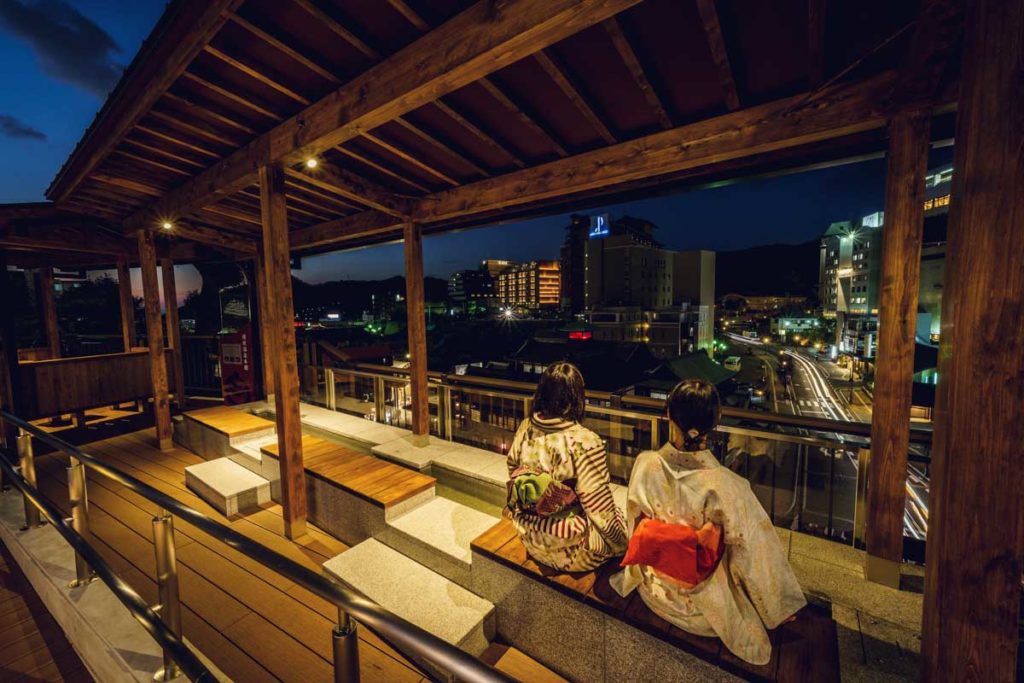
x,y
455,113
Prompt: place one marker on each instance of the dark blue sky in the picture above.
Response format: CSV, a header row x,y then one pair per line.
x,y
61,57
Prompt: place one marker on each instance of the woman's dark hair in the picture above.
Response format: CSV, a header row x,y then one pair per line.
x,y
560,393
694,404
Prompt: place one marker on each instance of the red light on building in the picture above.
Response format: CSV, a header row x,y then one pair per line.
x,y
298,324
581,335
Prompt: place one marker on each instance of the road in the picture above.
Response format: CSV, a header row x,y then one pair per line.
x,y
811,393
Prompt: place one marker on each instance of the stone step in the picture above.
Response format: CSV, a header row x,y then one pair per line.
x,y
437,534
416,594
227,486
247,452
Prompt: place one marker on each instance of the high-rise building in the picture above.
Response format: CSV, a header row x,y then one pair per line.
x,y
494,266
472,290
851,264
532,285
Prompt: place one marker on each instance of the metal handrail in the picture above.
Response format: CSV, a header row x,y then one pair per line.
x,y
404,635
190,664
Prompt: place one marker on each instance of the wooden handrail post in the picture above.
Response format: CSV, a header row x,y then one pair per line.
x,y
49,302
976,503
281,311
897,322
417,328
173,329
264,321
155,334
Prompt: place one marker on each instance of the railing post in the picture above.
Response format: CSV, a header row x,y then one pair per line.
x,y
444,408
329,397
346,649
860,508
28,470
378,398
167,584
79,502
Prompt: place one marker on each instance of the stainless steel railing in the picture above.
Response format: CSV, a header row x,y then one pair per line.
x,y
425,649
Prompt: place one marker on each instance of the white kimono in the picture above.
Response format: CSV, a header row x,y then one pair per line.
x,y
753,587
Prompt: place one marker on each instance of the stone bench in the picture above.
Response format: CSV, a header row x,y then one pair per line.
x,y
351,494
211,432
537,606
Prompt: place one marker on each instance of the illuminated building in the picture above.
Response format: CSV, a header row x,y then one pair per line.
x,y
472,289
532,285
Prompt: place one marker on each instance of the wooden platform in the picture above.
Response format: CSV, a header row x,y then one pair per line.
x,y
377,481
32,645
229,421
805,650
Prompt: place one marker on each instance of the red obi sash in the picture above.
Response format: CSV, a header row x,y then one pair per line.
x,y
679,551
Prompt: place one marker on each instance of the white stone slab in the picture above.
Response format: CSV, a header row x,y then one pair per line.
x,y
227,486
469,461
417,594
405,452
438,534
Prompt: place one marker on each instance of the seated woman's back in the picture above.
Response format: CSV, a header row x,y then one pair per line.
x,y
559,489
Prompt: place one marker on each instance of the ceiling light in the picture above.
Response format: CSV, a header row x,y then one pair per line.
x,y
166,225
311,163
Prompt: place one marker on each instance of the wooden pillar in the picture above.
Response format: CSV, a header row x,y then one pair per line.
x,y
976,503
897,323
173,329
155,334
49,307
10,389
124,288
417,328
266,338
277,265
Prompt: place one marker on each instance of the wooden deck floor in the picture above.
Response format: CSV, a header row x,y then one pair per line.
x,y
252,622
32,645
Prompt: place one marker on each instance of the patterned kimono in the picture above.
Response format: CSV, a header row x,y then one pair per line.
x,y
591,530
752,587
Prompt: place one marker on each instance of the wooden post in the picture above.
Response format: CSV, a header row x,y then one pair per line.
x,y
10,389
124,288
976,503
155,334
417,328
264,313
173,329
277,264
897,323
49,307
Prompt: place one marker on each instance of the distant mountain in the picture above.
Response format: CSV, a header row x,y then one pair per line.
x,y
352,297
774,269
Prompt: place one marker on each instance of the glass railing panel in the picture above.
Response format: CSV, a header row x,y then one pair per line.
x,y
352,393
486,419
626,434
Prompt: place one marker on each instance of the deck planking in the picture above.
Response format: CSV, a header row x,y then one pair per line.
x,y
252,622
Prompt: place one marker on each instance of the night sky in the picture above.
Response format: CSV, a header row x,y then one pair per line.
x,y
60,58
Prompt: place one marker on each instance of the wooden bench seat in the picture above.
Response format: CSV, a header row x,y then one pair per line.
x,y
377,481
803,650
230,422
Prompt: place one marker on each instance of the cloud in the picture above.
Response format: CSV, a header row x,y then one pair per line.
x,y
70,46
13,128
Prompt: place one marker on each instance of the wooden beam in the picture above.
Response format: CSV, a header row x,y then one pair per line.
x,y
173,323
363,159
124,289
410,14
976,505
417,329
61,237
481,40
835,112
155,335
256,74
938,33
226,92
478,133
441,146
412,160
625,50
197,111
719,54
191,230
326,19
286,374
558,75
815,43
160,62
897,324
175,140
49,306
332,232
528,121
352,186
196,126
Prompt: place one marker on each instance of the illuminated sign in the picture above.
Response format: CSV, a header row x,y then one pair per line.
x,y
581,335
599,226
873,220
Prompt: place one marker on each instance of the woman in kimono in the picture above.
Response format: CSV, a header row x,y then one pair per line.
x,y
559,490
702,552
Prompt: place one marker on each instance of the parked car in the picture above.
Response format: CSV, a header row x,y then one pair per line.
x,y
732,363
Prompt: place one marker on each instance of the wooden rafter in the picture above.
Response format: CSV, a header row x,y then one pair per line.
x,y
329,196
159,64
499,94
288,50
229,94
150,162
406,156
336,26
410,14
159,151
202,111
197,127
561,79
719,53
441,146
214,237
481,40
636,70
175,140
353,187
256,74
815,43
363,159
478,133
332,232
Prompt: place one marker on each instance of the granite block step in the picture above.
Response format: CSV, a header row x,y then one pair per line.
x,y
437,534
227,486
416,594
